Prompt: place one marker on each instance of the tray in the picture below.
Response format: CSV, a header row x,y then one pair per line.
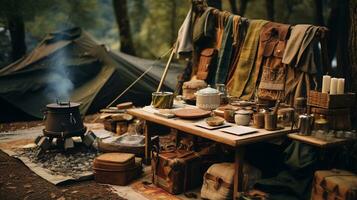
x,y
191,113
204,125
239,130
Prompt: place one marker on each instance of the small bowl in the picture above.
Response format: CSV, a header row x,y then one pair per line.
x,y
215,121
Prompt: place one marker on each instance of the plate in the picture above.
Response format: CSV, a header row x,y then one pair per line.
x,y
191,113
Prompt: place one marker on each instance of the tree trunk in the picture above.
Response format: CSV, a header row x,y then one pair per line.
x,y
269,4
215,3
352,53
233,5
338,38
121,16
173,21
318,13
242,7
16,27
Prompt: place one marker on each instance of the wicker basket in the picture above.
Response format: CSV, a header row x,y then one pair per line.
x,y
324,100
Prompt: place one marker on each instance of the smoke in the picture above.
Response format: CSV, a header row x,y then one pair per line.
x,y
59,83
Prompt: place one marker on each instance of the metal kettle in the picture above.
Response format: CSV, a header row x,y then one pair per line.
x,y
305,124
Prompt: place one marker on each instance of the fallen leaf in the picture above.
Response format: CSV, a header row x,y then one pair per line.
x,y
74,192
61,198
52,195
11,187
27,185
29,191
64,190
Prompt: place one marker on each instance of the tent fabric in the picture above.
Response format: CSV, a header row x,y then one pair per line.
x,y
91,74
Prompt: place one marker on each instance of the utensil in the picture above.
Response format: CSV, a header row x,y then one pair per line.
x,y
229,115
271,118
222,89
258,117
305,124
162,100
208,98
191,113
243,117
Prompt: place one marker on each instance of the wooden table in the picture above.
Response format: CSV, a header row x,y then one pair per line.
x,y
187,126
321,143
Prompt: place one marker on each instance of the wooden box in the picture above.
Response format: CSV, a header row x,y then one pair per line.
x,y
324,100
116,168
339,118
110,125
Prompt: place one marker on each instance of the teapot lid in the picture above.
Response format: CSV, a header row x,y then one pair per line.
x,y
208,91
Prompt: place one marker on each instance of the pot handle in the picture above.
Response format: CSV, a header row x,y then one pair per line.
x,y
72,120
45,112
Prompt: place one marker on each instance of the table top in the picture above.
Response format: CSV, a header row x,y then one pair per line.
x,y
215,135
312,140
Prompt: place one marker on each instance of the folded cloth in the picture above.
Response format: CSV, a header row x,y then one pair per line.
x,y
239,81
184,44
225,52
299,51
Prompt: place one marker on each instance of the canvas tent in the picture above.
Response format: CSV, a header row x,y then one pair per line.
x,y
71,65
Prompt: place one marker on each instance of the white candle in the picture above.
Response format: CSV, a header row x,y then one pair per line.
x,y
333,86
341,86
326,81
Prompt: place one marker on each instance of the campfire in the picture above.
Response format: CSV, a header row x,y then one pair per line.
x,y
63,122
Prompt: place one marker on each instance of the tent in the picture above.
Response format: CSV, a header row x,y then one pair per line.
x,y
70,65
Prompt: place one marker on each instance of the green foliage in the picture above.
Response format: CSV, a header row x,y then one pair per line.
x,y
154,23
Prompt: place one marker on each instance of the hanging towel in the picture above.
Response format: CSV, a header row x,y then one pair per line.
x,y
184,44
246,64
240,26
299,51
225,52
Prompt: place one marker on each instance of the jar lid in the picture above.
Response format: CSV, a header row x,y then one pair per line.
x,y
208,91
244,112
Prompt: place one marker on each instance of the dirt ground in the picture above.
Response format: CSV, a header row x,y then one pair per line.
x,y
18,182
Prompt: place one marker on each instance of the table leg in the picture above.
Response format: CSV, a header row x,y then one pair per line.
x,y
238,172
148,145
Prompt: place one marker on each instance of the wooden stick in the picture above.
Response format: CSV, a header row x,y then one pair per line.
x,y
166,70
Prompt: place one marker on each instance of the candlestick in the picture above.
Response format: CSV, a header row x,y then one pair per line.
x,y
333,86
341,86
326,81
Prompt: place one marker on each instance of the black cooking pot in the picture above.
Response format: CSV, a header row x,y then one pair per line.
x,y
62,120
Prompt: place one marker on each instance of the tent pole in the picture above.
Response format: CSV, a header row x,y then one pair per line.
x,y
166,70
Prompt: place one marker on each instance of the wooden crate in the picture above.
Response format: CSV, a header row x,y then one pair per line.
x,y
110,125
339,119
324,100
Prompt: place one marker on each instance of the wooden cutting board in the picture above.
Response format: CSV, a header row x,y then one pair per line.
x,y
191,113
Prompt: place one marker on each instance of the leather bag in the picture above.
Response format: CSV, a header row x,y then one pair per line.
x,y
272,44
334,185
206,63
219,178
176,171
